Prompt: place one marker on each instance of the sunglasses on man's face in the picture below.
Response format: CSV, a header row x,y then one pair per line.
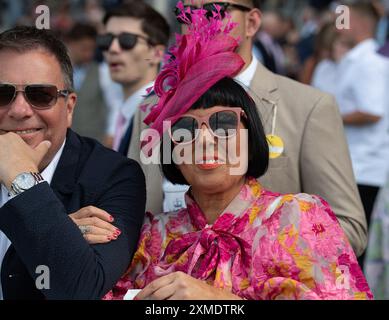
x,y
210,9
39,96
223,123
127,41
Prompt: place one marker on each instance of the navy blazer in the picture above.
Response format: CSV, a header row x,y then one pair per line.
x,y
41,232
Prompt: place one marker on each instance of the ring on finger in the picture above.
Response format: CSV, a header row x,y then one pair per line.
x,y
84,229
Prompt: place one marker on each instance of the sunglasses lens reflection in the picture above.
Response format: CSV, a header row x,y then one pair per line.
x,y
127,41
7,93
104,41
223,124
41,96
184,130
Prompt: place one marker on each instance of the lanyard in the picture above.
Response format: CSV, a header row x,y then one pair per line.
x,y
274,118
276,144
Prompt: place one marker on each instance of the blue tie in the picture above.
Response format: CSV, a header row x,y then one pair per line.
x,y
125,141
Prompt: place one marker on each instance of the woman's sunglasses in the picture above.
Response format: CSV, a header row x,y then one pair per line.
x,y
223,123
127,41
211,9
39,96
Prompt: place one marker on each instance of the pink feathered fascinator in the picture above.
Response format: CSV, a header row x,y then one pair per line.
x,y
197,61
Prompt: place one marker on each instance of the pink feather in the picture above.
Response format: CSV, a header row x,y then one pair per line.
x,y
198,60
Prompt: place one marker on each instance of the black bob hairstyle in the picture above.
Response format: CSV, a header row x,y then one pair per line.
x,y
227,92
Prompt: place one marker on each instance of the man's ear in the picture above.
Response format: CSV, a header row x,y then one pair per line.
x,y
70,105
253,22
157,54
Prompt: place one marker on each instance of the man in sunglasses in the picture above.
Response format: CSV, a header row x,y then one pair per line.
x,y
49,174
315,157
133,44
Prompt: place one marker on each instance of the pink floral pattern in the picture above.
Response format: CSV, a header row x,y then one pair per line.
x,y
263,246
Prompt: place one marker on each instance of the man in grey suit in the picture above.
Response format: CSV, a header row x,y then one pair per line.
x,y
314,157
90,116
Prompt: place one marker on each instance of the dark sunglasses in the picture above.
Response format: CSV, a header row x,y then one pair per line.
x,y
210,8
39,96
127,41
223,123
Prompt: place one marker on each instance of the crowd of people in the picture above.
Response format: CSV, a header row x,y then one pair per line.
x,y
91,110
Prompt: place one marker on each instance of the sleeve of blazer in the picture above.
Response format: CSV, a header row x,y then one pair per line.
x,y
38,226
327,170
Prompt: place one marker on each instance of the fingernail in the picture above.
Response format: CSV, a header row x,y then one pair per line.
x,y
118,232
110,218
114,237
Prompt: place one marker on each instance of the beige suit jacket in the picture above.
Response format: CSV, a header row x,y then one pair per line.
x,y
315,160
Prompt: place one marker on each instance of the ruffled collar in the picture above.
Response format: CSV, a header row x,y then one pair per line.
x,y
203,253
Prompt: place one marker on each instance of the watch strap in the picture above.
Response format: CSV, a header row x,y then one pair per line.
x,y
15,189
38,177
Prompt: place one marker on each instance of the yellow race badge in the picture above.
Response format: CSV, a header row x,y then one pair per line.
x,y
276,146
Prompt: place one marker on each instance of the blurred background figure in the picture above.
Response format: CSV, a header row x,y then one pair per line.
x,y
94,14
322,52
362,94
383,26
382,8
267,44
315,17
376,264
385,50
10,12
330,48
134,43
90,118
62,18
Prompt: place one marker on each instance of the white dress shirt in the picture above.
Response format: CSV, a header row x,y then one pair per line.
x,y
325,77
113,96
47,175
244,78
128,109
174,195
363,85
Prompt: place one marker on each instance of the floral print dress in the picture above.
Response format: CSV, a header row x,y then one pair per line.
x,y
263,246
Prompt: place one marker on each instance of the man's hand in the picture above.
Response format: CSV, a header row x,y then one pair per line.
x,y
359,118
180,286
98,222
17,157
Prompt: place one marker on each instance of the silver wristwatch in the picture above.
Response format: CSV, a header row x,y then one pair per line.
x,y
25,181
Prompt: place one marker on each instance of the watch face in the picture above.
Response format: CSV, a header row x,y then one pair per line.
x,y
25,181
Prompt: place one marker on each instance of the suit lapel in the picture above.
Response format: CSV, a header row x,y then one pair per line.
x,y
264,84
65,175
264,90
